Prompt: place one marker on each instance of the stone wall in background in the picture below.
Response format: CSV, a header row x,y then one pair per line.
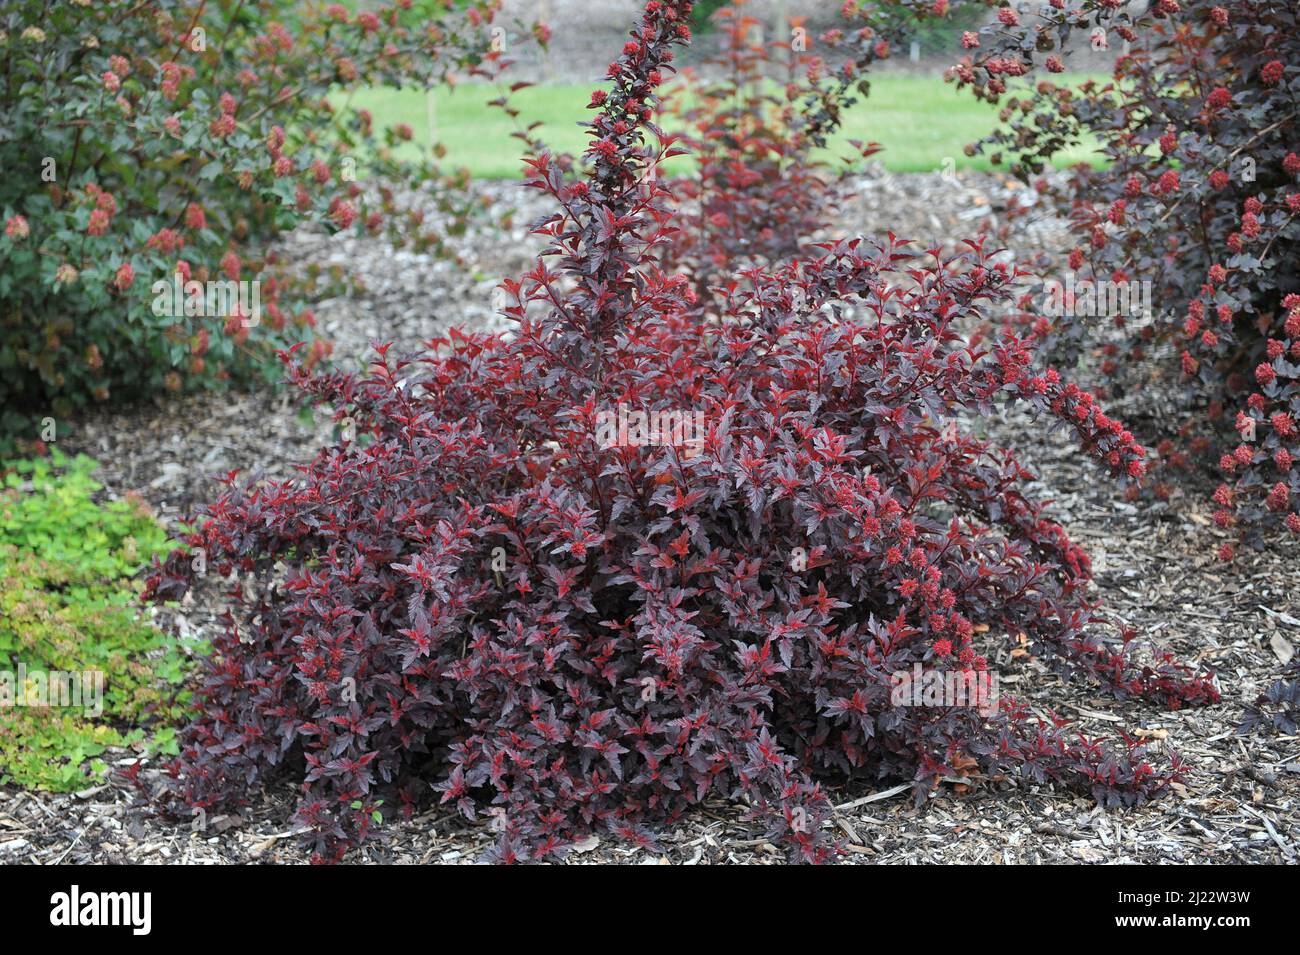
x,y
587,34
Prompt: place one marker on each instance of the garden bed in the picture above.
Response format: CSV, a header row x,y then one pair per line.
x,y
1155,568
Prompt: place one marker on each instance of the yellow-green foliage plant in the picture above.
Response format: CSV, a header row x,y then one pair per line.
x,y
67,564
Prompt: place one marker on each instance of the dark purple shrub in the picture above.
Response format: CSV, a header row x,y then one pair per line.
x,y
1278,707
751,117
1200,196
509,587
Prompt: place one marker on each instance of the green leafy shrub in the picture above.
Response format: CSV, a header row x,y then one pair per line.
x,y
156,144
65,607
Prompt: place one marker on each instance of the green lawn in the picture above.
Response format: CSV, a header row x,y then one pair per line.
x,y
919,120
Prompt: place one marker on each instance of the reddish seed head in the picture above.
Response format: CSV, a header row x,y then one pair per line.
x,y
223,126
125,276
1279,497
98,224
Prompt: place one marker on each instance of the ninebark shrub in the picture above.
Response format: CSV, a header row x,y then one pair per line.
x,y
754,117
751,118
1199,195
163,142
586,574
1277,709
